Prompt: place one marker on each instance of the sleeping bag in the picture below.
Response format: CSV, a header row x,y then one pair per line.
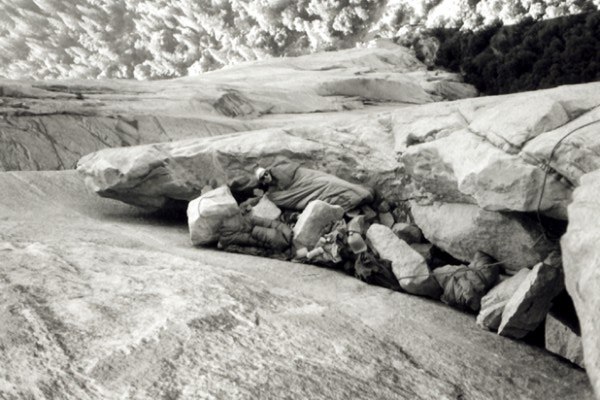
x,y
293,187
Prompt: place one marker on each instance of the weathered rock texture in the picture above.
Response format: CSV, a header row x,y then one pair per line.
x,y
101,301
562,340
464,229
581,260
488,176
372,116
492,304
50,125
153,174
494,151
498,153
408,265
528,306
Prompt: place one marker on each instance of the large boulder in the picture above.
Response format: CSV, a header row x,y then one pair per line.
x,y
151,175
503,153
581,260
466,168
513,122
408,265
463,229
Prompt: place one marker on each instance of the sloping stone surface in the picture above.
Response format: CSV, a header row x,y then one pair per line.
x,y
414,125
581,260
57,139
101,301
351,113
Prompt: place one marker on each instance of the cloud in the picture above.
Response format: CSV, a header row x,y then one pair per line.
x,y
152,39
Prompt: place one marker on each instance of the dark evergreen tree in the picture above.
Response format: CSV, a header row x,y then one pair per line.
x,y
527,56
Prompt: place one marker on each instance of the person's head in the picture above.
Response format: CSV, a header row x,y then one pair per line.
x,y
263,175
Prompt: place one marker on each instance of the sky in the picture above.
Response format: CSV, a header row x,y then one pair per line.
x,y
155,39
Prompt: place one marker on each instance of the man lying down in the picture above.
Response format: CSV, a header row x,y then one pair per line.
x,y
263,225
291,186
309,216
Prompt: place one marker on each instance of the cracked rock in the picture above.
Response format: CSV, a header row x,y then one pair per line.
x,y
560,339
530,303
492,304
408,265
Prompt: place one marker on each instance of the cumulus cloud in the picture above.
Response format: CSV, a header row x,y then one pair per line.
x,y
152,39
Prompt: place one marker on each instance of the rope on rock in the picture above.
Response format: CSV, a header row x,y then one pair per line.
x,y
547,168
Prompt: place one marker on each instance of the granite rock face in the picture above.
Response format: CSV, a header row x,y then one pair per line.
x,y
581,255
514,122
373,116
151,175
576,154
133,311
477,151
488,176
464,229
50,125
